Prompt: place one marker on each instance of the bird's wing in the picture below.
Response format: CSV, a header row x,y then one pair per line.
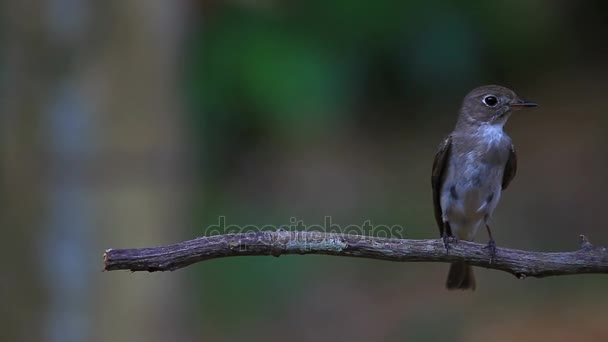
x,y
437,176
510,168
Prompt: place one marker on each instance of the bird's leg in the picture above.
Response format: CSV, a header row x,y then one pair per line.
x,y
491,246
446,241
447,235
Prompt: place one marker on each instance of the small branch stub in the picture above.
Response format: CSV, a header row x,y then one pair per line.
x,y
585,244
588,259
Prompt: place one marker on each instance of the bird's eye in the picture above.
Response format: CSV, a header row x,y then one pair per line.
x,y
490,101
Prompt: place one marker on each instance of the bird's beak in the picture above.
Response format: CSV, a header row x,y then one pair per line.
x,y
521,104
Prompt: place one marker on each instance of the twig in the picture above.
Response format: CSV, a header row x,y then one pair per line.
x,y
588,259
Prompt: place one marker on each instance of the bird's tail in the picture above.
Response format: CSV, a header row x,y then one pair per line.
x,y
460,277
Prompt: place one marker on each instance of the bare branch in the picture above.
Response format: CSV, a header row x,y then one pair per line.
x,y
588,259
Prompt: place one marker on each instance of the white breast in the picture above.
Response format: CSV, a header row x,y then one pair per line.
x,y
490,134
467,212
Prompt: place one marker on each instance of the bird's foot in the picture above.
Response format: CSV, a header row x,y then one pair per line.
x,y
447,240
491,247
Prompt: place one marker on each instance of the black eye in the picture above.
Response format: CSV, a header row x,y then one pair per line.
x,y
490,101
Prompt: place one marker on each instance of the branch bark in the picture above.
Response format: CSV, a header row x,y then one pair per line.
x,y
588,259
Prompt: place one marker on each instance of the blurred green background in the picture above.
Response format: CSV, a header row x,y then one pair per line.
x,y
139,123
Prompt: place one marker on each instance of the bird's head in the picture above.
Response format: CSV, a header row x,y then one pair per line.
x,y
491,104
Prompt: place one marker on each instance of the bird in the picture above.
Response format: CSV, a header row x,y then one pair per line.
x,y
472,166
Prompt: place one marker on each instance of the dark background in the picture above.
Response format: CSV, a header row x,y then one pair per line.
x,y
139,123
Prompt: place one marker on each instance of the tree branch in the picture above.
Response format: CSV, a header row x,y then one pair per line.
x,y
588,259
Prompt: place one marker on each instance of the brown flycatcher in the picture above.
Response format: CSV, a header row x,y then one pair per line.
x,y
472,167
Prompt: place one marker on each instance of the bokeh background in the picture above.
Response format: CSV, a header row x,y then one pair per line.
x,y
139,123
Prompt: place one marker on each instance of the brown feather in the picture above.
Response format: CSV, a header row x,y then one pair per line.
x,y
460,277
510,168
437,177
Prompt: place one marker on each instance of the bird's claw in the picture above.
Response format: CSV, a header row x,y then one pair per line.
x,y
491,247
447,240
